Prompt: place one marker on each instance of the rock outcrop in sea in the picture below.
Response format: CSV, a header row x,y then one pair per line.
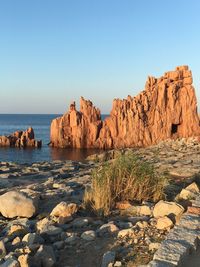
x,y
166,109
20,139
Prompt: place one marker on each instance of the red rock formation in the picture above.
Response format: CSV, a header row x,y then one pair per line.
x,y
20,139
77,129
167,108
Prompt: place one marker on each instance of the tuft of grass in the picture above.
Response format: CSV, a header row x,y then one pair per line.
x,y
126,178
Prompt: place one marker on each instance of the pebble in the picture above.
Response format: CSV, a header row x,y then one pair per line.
x,y
80,222
108,228
88,235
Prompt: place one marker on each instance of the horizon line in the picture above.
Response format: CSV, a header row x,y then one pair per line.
x,y
40,113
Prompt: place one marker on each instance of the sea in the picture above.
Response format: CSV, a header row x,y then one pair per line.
x,y
10,123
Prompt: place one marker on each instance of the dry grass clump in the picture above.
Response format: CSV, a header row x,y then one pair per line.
x,y
126,178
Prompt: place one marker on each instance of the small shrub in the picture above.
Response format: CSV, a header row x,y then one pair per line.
x,y
126,178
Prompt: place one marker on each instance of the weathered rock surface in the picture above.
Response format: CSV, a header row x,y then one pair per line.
x,y
167,108
164,208
189,192
77,129
13,204
63,212
20,139
164,223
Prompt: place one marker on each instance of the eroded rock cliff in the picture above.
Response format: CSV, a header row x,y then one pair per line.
x,y
78,129
167,108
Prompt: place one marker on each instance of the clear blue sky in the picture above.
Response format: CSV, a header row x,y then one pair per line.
x,y
54,51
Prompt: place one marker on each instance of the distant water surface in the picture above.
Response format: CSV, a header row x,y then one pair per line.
x,y
10,123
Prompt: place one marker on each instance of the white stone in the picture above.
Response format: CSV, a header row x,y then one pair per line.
x,y
16,204
118,264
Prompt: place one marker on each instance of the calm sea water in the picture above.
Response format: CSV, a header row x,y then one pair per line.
x,y
41,124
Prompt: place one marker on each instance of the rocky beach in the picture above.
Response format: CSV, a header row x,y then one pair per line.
x,y
99,133
45,223
135,203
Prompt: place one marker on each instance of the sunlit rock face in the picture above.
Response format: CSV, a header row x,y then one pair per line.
x,y
79,129
167,108
20,139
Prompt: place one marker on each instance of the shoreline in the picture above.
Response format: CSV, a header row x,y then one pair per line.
x,y
50,183
48,154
